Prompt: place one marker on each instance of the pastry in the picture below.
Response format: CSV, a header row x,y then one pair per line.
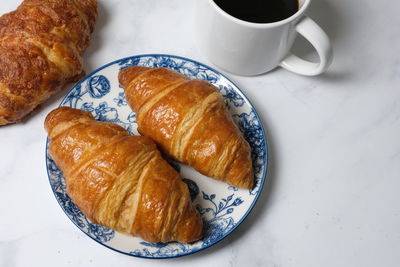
x,y
189,121
121,181
40,51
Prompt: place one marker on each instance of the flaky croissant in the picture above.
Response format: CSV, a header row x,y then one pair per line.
x,y
189,121
121,181
40,51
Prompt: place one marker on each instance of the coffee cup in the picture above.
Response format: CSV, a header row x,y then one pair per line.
x,y
251,48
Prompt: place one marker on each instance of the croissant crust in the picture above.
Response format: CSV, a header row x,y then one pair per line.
x,y
40,51
189,121
121,181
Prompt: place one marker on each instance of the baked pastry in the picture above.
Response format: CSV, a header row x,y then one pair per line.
x,y
40,51
189,121
121,181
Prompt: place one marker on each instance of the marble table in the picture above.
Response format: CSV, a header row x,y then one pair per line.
x,y
332,196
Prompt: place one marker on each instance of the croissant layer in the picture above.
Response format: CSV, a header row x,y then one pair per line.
x,y
121,181
189,121
40,51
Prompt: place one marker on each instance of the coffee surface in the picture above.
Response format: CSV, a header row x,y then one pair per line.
x,y
259,11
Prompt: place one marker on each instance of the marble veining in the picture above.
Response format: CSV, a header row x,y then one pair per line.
x,y
332,193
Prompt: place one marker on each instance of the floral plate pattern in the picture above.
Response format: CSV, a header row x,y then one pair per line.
x,y
221,206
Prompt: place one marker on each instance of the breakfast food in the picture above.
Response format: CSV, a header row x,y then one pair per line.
x,y
40,51
189,121
121,181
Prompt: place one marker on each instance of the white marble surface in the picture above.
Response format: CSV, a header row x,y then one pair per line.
x,y
332,197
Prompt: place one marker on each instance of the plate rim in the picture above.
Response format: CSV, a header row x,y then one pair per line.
x,y
263,175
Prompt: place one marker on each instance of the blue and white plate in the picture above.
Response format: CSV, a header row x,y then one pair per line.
x,y
222,207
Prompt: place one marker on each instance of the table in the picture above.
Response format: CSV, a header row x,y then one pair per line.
x,y
332,196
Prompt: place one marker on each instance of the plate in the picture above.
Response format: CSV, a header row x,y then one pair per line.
x,y
222,207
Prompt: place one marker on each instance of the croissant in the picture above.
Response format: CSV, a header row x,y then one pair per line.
x,y
189,121
121,181
40,51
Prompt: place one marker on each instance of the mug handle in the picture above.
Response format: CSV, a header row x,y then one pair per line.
x,y
320,41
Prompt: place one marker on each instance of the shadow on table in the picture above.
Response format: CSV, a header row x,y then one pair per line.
x,y
333,21
97,36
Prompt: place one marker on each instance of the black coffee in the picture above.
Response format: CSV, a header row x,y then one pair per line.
x,y
259,11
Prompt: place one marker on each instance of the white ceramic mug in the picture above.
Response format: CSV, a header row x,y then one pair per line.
x,y
248,48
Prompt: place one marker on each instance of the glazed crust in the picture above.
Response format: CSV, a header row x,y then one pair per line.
x,y
189,121
121,181
40,51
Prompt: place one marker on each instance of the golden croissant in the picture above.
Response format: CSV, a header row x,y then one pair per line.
x,y
121,181
189,121
40,51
